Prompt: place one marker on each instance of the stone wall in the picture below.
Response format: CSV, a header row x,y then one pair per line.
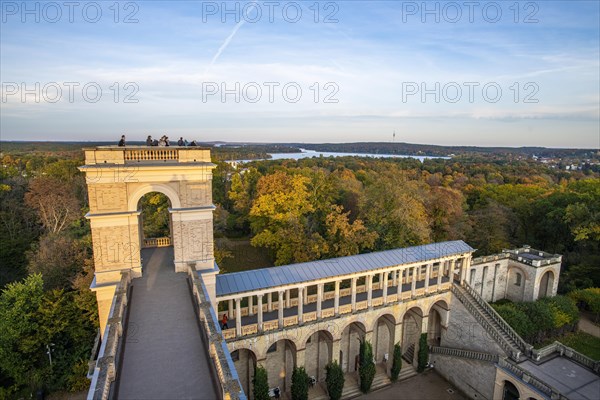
x,y
473,377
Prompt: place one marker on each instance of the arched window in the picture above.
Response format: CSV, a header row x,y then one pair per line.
x,y
510,391
518,279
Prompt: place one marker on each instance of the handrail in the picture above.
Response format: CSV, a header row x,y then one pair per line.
x,y
523,345
514,353
157,242
94,354
474,355
568,352
105,371
526,377
219,353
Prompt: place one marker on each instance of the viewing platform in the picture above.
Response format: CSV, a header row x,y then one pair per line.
x,y
145,155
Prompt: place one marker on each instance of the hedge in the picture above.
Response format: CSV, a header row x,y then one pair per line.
x,y
587,299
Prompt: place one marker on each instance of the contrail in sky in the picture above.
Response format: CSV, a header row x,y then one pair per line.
x,y
229,38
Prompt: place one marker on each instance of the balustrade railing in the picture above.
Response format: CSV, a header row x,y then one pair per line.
x,y
474,355
526,377
157,154
105,371
564,351
157,242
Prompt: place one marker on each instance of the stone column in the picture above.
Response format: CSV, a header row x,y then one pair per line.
x,y
394,277
369,290
269,302
413,286
336,300
238,318
260,312
354,294
300,304
381,280
250,305
385,287
464,267
306,296
280,308
319,299
300,357
398,333
427,276
425,324
399,291
335,351
230,309
288,300
439,276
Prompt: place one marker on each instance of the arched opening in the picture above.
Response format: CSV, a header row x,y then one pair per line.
x,y
280,362
515,287
350,345
318,354
546,284
411,324
245,365
438,317
383,348
155,220
510,391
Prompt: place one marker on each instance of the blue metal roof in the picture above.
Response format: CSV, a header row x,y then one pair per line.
x,y
257,279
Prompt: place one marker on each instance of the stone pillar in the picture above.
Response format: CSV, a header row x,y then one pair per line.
x,y
288,300
398,334
238,318
300,304
319,299
440,273
260,312
300,357
427,276
336,300
354,294
385,287
464,267
369,336
394,277
335,351
269,301
280,306
230,309
250,305
381,280
413,285
306,296
425,324
369,290
399,291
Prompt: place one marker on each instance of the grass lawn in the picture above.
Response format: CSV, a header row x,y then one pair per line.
x,y
245,256
582,342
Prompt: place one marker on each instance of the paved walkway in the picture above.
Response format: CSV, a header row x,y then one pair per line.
x,y
165,356
586,325
430,386
310,307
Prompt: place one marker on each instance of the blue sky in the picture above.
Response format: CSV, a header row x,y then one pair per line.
x,y
481,73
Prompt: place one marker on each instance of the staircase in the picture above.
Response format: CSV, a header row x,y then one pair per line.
x,y
409,354
504,335
352,389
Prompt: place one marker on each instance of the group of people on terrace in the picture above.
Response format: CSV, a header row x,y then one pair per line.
x,y
162,142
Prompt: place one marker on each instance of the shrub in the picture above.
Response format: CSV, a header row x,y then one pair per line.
x,y
261,384
299,384
334,380
423,356
587,299
517,319
396,362
366,369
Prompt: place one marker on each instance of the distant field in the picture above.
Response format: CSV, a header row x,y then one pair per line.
x,y
245,256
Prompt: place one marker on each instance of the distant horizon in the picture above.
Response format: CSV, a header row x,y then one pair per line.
x,y
292,143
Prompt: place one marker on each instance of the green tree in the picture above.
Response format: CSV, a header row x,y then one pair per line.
x,y
345,238
366,368
334,380
260,384
396,362
423,356
299,384
155,215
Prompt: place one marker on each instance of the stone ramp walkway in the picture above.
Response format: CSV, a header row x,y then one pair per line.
x,y
164,355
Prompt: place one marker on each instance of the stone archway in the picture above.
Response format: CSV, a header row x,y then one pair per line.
x,y
318,353
437,319
383,335
245,365
510,391
411,331
546,284
116,178
350,345
280,363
